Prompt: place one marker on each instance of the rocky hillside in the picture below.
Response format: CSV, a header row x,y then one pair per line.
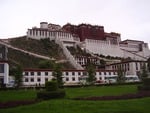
x,y
43,47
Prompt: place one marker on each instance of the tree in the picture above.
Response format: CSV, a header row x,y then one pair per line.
x,y
57,73
144,73
120,73
17,73
148,64
44,64
145,86
102,64
91,74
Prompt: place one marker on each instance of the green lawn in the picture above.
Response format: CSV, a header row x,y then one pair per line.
x,y
100,91
17,95
76,106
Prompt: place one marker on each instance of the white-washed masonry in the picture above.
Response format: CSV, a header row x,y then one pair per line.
x,y
70,77
68,55
106,48
38,33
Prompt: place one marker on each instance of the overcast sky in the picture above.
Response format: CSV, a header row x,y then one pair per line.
x,y
130,18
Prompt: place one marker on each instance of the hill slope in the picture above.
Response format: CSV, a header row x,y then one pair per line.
x,y
43,47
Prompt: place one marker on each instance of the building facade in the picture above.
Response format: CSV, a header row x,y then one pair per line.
x,y
52,32
4,66
85,60
38,77
4,73
92,38
128,67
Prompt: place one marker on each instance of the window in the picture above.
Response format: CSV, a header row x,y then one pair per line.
x,y
73,78
26,80
26,73
100,78
39,79
36,32
46,73
99,73
67,79
1,68
32,79
38,73
104,73
79,73
113,67
30,31
136,65
114,73
66,73
40,33
109,73
32,73
128,66
73,73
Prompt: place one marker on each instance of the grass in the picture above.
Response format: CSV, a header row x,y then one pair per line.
x,y
43,47
17,57
101,91
73,106
17,95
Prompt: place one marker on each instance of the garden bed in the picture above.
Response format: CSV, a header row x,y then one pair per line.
x,y
9,104
121,97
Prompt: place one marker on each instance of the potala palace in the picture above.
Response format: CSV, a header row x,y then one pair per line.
x,y
92,38
95,41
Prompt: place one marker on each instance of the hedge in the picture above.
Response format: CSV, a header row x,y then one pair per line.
x,y
51,86
51,94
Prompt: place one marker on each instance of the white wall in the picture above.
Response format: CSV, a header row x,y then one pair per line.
x,y
72,74
5,75
103,47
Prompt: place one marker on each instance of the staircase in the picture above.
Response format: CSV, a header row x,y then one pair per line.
x,y
68,55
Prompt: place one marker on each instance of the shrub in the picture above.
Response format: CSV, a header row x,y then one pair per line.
x,y
52,91
145,86
51,94
51,86
146,81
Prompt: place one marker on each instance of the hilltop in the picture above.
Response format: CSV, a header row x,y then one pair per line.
x,y
43,47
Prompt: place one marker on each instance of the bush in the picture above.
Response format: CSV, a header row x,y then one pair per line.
x,y
146,81
51,94
51,86
52,91
145,86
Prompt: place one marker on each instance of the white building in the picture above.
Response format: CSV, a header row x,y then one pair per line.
x,y
52,32
128,67
85,60
111,45
4,72
36,77
137,50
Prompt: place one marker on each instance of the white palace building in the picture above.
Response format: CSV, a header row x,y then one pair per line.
x,y
131,69
93,39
